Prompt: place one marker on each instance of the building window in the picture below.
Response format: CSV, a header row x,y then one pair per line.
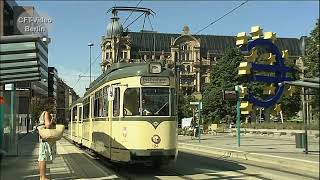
x,y
125,55
107,55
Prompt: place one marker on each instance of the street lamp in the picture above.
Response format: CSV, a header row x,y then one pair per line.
x,y
90,45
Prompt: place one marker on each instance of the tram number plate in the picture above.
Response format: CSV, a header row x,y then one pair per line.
x,y
155,145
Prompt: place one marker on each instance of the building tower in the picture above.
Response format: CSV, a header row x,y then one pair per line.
x,y
115,46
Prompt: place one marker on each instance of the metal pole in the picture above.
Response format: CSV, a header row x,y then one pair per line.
x,y
304,115
238,118
199,121
90,64
1,119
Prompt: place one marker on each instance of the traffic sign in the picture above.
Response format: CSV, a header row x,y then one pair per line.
x,y
229,95
194,103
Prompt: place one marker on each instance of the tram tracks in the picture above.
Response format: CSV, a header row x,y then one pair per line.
x,y
127,171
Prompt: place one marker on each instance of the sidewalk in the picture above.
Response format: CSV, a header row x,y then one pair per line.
x,y
70,163
274,150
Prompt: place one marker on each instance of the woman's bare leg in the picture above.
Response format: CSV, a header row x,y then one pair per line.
x,y
42,169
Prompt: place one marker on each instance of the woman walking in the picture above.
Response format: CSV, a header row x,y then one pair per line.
x,y
45,147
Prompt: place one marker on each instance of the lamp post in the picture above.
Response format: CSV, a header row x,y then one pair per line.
x,y
90,45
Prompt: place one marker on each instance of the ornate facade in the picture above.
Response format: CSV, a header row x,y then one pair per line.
x,y
193,54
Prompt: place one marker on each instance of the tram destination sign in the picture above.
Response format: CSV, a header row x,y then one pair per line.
x,y
151,81
23,58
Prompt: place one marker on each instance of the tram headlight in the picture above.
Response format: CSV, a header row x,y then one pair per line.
x,y
156,139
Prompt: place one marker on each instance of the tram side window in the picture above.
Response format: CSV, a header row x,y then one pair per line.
x,y
131,102
80,114
116,102
86,109
105,102
173,102
98,104
74,114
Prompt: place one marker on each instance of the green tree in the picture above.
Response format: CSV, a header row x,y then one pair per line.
x,y
312,61
184,107
312,52
224,76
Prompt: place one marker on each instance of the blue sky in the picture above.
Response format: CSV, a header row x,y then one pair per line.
x,y
76,23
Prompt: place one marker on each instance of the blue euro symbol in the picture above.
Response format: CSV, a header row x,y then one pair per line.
x,y
278,68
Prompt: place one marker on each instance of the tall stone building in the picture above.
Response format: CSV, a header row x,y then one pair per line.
x,y
193,54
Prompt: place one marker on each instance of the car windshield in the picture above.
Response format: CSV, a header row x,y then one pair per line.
x,y
155,101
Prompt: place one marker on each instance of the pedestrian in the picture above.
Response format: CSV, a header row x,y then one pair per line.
x,y
46,148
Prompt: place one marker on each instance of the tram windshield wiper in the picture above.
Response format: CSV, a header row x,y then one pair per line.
x,y
156,113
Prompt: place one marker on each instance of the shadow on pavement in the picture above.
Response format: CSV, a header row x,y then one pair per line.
x,y
187,165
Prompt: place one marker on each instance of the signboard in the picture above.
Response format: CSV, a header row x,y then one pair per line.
x,y
23,58
194,103
229,95
152,81
186,122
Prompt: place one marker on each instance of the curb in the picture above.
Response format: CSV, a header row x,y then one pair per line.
x,y
290,163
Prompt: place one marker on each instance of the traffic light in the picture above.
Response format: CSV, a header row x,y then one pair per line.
x,y
256,32
241,39
245,107
244,68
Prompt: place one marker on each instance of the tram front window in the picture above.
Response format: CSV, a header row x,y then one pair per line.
x,y
155,101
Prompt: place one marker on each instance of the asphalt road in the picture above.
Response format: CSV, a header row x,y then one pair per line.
x,y
197,166
189,165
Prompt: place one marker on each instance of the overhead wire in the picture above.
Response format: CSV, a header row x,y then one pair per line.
x,y
141,37
86,71
134,21
223,16
130,14
154,38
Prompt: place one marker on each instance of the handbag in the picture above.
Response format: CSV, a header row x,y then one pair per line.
x,y
51,134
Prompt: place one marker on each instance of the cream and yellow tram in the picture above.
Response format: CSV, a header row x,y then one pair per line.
x,y
128,114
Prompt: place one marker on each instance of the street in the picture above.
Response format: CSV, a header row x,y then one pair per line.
x,y
193,165
75,162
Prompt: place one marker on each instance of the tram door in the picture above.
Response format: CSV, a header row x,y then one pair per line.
x,y
80,124
114,104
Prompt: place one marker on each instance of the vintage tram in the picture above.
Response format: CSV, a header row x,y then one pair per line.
x,y
128,114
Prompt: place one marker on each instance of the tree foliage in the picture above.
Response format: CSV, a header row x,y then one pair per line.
x,y
312,52
184,107
224,76
312,60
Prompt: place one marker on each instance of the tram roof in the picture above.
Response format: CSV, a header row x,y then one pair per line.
x,y
79,100
124,70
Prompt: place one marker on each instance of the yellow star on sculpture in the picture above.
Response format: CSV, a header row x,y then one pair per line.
x,y
253,55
